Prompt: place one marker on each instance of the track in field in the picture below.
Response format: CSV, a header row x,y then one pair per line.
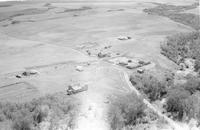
x,y
20,91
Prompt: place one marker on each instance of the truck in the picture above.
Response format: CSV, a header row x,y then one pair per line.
x,y
76,88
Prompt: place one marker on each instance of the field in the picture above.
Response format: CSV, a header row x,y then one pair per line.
x,y
62,41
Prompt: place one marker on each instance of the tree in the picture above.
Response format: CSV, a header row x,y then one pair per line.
x,y
175,101
192,106
192,85
149,85
127,110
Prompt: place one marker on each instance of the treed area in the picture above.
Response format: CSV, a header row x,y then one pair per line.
x,y
182,96
176,14
128,111
182,46
49,112
182,100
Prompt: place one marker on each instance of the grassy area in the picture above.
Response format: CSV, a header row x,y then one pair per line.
x,y
34,11
49,112
31,11
78,9
176,14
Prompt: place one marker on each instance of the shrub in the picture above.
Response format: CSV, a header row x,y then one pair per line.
x,y
175,102
192,85
197,65
149,85
183,101
126,111
23,124
192,106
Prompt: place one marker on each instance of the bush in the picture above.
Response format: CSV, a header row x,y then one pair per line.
x,y
192,85
197,65
192,106
126,111
23,124
183,101
175,102
149,85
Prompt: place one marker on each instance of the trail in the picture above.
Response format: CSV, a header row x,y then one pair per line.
x,y
93,109
91,116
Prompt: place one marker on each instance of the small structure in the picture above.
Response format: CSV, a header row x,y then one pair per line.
x,y
129,61
79,68
133,65
123,61
107,47
117,53
75,15
30,72
124,38
18,76
88,63
143,63
140,70
76,88
103,54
